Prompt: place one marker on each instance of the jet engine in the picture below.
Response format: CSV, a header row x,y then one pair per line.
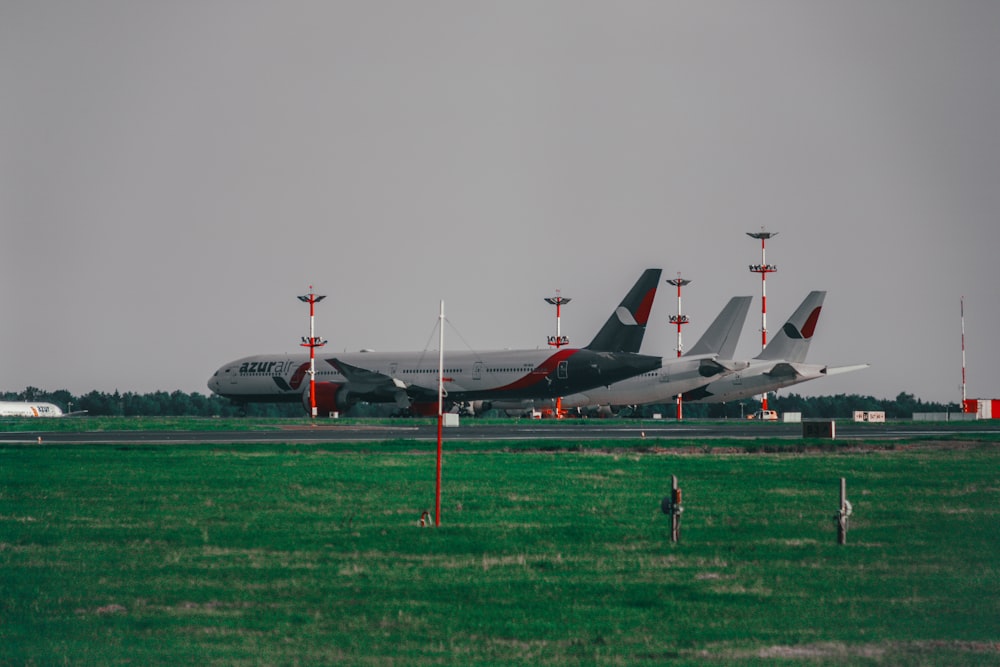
x,y
330,397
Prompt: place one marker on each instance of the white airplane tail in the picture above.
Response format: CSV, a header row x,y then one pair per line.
x,y
723,333
791,343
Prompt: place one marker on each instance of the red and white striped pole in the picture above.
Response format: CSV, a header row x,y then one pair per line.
x,y
763,269
680,320
312,343
559,340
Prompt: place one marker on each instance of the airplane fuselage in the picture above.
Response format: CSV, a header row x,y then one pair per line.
x,y
760,377
29,409
676,376
467,375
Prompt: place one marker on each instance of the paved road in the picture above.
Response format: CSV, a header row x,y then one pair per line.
x,y
522,430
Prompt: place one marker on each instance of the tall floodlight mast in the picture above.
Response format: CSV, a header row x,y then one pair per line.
x,y
558,340
763,269
680,320
312,342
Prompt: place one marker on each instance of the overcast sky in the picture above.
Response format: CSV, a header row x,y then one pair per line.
x,y
174,174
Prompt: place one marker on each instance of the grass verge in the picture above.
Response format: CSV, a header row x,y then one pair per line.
x,y
263,554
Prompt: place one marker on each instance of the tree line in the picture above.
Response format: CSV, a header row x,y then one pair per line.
x,y
811,407
155,404
180,404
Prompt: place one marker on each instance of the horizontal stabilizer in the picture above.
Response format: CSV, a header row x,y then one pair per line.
x,y
783,370
708,368
837,370
731,365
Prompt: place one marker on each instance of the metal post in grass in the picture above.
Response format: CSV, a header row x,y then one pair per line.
x,y
843,513
437,484
671,505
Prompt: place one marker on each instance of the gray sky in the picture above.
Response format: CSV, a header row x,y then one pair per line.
x,y
174,174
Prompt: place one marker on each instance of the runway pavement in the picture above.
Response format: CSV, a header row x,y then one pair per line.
x,y
470,430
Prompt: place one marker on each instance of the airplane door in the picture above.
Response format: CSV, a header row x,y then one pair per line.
x,y
477,370
562,370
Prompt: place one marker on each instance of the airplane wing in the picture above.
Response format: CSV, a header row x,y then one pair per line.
x,y
372,385
783,370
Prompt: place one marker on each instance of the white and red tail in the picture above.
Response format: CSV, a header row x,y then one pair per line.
x,y
792,342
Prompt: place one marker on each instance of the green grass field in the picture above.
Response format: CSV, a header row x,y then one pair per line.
x,y
307,555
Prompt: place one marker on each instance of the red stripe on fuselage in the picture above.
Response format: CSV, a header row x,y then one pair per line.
x,y
299,375
540,372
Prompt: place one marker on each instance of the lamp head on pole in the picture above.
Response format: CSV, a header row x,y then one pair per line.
x,y
761,234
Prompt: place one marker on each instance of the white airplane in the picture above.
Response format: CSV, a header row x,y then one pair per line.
x,y
409,379
780,364
700,365
29,409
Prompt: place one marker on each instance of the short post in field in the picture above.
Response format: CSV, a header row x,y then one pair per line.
x,y
843,513
440,421
671,505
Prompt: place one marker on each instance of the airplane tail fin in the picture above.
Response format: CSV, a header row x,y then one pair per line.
x,y
792,342
723,333
625,328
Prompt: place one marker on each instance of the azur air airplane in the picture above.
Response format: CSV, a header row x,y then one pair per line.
x,y
780,364
410,378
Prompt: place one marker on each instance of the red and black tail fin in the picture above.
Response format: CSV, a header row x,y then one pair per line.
x,y
625,328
